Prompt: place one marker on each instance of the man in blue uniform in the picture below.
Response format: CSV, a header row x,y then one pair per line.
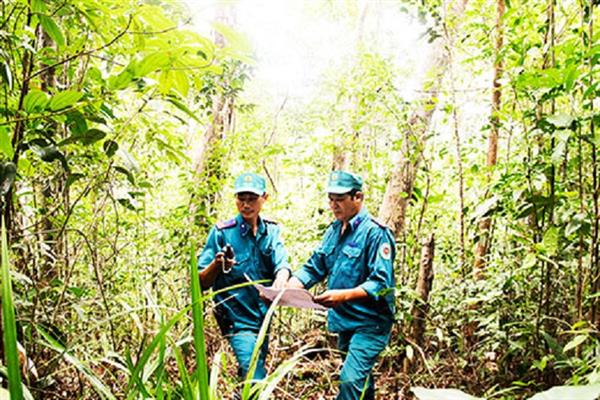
x,y
356,256
259,254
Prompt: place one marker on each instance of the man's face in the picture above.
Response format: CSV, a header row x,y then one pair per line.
x,y
345,206
249,204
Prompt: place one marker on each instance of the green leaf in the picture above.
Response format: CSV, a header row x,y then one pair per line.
x,y
125,172
571,75
237,45
110,147
38,6
530,260
165,82
441,394
553,344
550,241
64,99
6,74
153,17
590,392
122,80
35,101
181,82
73,178
91,136
560,120
5,143
52,30
9,326
182,107
86,138
151,63
577,340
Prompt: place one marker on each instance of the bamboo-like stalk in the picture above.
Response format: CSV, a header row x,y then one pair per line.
x,y
198,318
9,325
594,246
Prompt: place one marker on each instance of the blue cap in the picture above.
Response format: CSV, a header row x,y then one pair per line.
x,y
250,182
341,182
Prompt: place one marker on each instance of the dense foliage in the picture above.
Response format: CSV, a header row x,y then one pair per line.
x,y
121,128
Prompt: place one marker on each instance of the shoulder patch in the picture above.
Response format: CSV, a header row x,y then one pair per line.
x,y
227,224
378,223
385,251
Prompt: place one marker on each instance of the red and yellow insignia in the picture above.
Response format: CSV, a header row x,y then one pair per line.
x,y
385,251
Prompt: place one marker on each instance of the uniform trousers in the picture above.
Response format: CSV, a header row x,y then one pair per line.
x,y
360,350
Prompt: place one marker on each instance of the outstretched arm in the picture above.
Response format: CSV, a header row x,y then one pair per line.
x,y
335,297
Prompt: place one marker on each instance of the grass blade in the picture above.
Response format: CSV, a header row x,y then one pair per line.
x,y
141,363
214,375
26,393
187,389
198,318
268,385
15,386
262,334
102,390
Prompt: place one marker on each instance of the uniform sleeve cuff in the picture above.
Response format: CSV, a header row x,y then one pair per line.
x,y
372,288
305,278
283,266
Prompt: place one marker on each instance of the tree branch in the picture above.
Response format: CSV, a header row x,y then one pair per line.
x,y
84,53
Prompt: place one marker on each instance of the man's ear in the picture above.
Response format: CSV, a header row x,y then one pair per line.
x,y
265,196
359,196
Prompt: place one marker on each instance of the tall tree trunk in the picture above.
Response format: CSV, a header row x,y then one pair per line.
x,y
345,155
421,304
209,162
594,245
400,186
51,185
27,66
483,244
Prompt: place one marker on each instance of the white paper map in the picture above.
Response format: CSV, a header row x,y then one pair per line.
x,y
299,298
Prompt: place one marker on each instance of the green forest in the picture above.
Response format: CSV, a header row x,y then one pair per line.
x,y
474,125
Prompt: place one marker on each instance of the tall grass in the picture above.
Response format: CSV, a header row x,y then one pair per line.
x,y
148,377
15,386
198,319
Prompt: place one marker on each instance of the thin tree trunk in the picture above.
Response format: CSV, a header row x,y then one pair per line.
x,y
483,244
210,160
421,304
345,155
400,186
27,63
459,164
594,246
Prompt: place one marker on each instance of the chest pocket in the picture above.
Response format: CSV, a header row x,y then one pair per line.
x,y
327,252
348,267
